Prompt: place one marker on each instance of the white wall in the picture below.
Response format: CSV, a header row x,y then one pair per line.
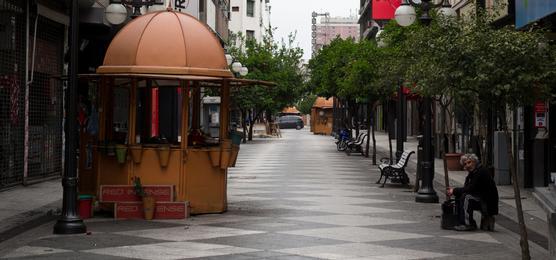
x,y
211,15
240,22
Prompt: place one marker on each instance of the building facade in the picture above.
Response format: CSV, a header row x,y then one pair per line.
x,y
328,28
32,41
251,18
374,14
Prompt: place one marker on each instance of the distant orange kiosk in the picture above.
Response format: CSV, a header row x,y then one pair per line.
x,y
322,117
148,105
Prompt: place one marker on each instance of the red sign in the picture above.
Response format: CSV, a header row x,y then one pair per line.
x,y
125,193
540,106
384,9
163,210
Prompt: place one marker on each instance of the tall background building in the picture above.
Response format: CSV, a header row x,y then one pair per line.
x,y
328,28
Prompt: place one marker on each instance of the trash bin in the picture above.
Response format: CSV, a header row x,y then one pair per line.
x,y
236,137
85,206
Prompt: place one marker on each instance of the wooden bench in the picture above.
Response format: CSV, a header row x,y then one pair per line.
x,y
396,172
357,144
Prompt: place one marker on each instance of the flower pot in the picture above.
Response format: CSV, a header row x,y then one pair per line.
x,y
233,155
148,207
163,155
136,151
452,161
121,153
214,156
226,148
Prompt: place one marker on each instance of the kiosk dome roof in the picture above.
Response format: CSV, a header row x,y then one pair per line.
x,y
322,102
166,42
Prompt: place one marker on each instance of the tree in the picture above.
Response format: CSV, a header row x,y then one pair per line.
x,y
497,68
269,61
306,103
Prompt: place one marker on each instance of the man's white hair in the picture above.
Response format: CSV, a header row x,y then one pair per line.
x,y
469,156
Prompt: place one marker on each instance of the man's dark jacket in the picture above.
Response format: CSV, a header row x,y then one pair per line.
x,y
480,183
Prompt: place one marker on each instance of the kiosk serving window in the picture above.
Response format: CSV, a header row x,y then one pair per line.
x,y
158,115
155,108
120,116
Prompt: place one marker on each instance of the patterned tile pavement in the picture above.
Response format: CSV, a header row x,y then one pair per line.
x,y
289,198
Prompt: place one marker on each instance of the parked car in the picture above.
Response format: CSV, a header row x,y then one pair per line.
x,y
290,122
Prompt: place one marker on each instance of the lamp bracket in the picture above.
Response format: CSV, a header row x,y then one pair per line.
x,y
428,4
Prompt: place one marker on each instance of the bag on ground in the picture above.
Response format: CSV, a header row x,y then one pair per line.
x,y
449,214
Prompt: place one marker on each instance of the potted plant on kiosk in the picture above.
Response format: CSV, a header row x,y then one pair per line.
x,y
148,200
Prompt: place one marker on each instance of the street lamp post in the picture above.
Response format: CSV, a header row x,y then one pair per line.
x,y
405,15
70,222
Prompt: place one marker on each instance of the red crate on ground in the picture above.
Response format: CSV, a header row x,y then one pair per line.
x,y
164,210
126,193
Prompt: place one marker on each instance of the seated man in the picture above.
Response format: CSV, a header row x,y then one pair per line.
x,y
479,191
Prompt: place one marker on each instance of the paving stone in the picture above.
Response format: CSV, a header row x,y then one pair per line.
x,y
290,198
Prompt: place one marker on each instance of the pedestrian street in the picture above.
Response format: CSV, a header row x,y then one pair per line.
x,y
294,197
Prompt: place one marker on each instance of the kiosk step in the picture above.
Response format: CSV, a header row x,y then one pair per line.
x,y
163,210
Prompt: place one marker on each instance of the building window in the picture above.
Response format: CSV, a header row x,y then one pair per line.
x,y
251,8
235,8
250,34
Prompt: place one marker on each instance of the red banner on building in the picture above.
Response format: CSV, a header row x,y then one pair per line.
x,y
384,9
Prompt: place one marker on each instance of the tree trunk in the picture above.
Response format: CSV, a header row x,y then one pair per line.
x,y
442,134
523,242
369,109
251,131
251,120
374,141
389,130
373,132
244,125
268,120
453,137
351,116
255,118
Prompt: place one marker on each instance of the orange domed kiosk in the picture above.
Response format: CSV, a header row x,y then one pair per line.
x,y
148,106
321,116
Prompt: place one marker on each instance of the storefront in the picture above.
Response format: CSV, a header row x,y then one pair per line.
x,y
31,52
147,107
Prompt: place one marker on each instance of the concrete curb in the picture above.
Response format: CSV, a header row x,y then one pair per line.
x,y
15,225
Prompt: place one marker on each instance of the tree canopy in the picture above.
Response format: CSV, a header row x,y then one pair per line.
x,y
270,61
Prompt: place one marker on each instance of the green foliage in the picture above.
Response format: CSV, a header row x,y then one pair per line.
x,y
270,61
138,187
471,60
306,103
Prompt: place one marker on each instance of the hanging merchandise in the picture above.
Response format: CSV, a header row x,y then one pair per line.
x,y
92,123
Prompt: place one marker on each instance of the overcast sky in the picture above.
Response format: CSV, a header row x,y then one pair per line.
x,y
289,16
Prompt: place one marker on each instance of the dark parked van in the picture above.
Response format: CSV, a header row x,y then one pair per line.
x,y
290,122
